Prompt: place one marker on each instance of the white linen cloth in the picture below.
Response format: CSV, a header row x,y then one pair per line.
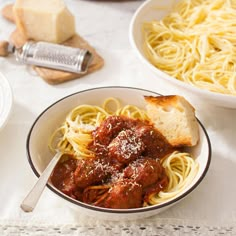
x,y
208,210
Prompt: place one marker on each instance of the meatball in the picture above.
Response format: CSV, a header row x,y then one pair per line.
x,y
156,144
145,171
126,147
62,177
90,171
124,195
109,129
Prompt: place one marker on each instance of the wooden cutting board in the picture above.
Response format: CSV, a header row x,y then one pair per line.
x,y
49,75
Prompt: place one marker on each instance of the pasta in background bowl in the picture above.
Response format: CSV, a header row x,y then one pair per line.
x,y
52,118
185,53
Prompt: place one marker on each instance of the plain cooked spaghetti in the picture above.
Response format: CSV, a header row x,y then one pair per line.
x,y
74,136
196,43
181,170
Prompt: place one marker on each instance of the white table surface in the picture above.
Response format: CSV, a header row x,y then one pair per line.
x,y
209,210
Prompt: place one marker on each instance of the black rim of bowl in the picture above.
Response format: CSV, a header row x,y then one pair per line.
x,y
108,210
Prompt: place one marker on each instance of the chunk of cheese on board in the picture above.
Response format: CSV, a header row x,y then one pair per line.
x,y
44,20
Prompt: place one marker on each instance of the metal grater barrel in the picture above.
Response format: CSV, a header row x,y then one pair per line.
x,y
54,56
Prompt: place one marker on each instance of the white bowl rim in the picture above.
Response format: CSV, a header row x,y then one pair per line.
x,y
108,210
199,91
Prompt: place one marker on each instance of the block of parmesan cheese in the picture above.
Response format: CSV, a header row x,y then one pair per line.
x,y
175,118
44,20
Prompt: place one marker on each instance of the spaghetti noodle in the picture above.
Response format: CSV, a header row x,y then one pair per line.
x,y
196,43
76,133
181,170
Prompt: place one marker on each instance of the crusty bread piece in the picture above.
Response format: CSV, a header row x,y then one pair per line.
x,y
175,118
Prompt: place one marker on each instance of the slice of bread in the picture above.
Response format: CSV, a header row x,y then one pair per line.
x,y
175,118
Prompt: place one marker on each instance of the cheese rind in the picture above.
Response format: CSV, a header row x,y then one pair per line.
x,y
44,20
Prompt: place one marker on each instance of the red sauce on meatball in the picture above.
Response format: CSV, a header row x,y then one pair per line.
x,y
63,175
124,194
145,171
126,147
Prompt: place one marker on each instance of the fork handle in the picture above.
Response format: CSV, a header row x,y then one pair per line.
x,y
30,201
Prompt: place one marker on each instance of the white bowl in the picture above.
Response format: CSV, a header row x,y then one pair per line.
x,y
148,11
53,116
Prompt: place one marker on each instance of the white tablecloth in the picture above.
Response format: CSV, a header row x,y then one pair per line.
x,y
209,210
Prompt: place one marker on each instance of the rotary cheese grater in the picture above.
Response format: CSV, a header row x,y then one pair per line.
x,y
53,56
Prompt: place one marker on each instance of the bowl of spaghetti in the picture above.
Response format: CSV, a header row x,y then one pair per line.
x,y
190,46
116,164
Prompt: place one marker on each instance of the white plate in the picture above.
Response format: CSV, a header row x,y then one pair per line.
x,y
5,100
